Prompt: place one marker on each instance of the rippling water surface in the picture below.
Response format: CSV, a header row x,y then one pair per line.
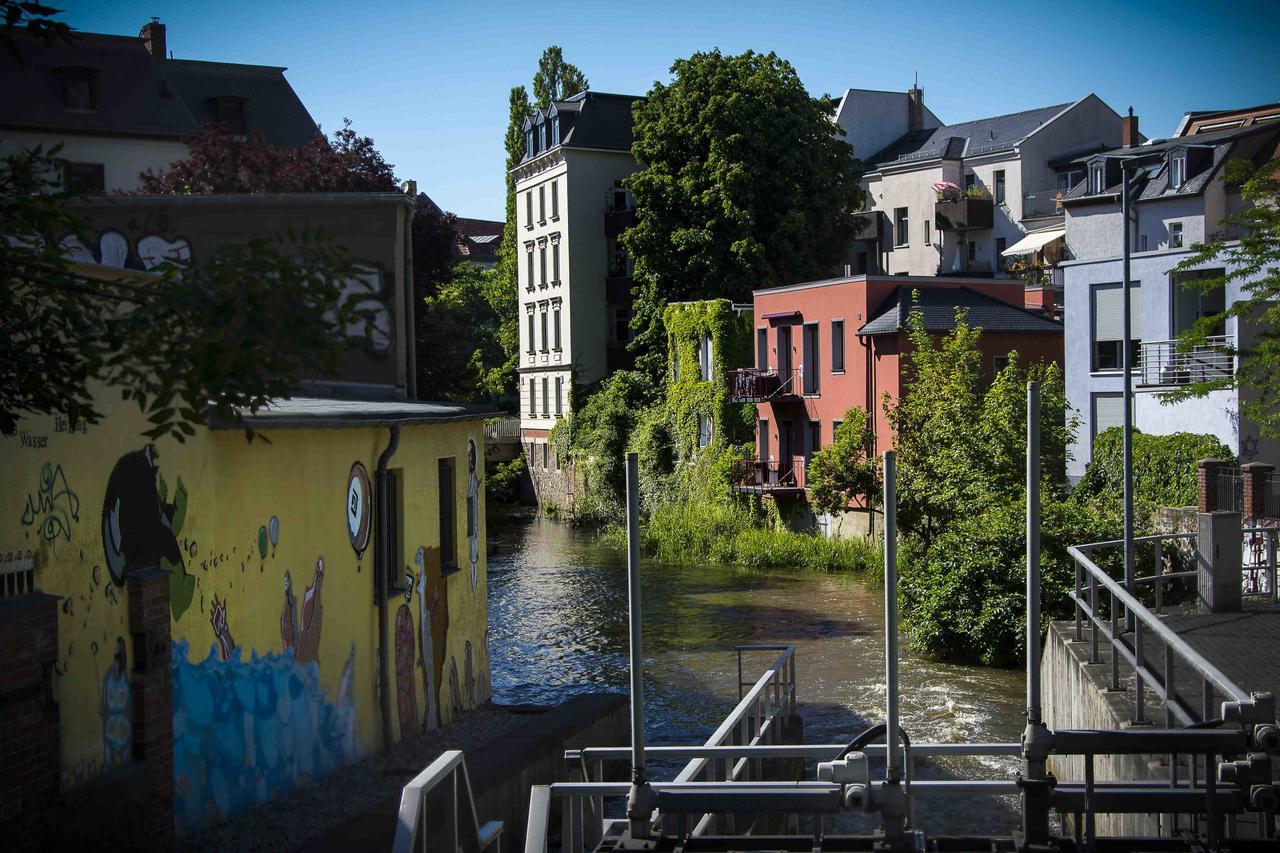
x,y
558,626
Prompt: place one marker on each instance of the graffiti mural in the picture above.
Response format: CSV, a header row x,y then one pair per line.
x,y
54,507
288,616
473,514
149,252
308,648
469,676
406,688
455,694
117,710
221,630
433,625
249,731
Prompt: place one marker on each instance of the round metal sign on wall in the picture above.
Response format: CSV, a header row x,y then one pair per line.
x,y
359,508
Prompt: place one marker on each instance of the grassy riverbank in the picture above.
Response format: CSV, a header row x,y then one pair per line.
x,y
727,534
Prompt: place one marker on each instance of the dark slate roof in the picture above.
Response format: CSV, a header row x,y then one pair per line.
x,y
967,139
592,120
1152,182
939,305
137,95
272,109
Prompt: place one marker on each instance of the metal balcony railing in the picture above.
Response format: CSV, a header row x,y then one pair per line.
x,y
502,429
1043,203
753,385
757,476
1162,364
438,811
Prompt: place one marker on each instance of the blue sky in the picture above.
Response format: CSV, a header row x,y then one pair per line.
x,y
429,80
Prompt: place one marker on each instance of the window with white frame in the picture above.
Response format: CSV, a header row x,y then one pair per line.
x,y
542,205
901,227
1177,169
532,340
555,199
555,261
559,396
1097,178
706,431
555,311
542,262
528,250
1108,325
1175,235
542,314
704,358
546,403
528,209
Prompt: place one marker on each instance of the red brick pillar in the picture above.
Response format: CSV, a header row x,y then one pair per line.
x,y
1208,482
1255,489
30,739
152,681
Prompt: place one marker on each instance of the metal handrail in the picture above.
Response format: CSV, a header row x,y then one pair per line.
x,y
1164,363
1143,620
411,823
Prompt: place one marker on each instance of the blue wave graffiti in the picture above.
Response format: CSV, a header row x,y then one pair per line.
x,y
246,732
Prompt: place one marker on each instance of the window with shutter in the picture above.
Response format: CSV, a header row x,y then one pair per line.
x,y
1108,325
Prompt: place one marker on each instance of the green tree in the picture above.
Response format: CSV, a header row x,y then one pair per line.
x,y
459,335
743,185
556,79
1164,469
186,342
846,471
505,297
1248,241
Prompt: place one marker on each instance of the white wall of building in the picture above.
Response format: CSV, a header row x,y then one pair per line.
x,y
122,159
872,120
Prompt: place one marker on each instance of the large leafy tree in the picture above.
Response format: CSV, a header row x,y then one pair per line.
x,y
556,79
1248,241
459,337
744,185
846,472
184,342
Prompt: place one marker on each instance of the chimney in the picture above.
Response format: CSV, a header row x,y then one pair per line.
x,y
1129,130
152,35
915,108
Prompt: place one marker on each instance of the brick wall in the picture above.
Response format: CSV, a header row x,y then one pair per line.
x,y
1256,475
29,743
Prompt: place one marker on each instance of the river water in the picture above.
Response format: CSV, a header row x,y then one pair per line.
x,y
558,627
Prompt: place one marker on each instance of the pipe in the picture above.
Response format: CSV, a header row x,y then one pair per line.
x,y
1033,552
893,761
1127,364
640,799
382,557
410,300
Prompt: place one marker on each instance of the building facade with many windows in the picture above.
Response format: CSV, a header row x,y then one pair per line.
x,y
574,277
1179,197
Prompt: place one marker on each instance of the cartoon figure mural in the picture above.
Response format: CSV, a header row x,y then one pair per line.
x,y
406,689
469,675
431,718
288,625
117,710
455,694
308,648
433,625
473,514
221,630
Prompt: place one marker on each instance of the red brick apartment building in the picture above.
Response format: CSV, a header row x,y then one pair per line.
x,y
824,347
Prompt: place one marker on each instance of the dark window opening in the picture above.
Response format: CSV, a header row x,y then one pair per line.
x,y
448,518
230,111
837,345
999,188
78,89
811,358
83,178
391,505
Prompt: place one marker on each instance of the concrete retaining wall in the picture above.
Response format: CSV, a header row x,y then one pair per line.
x,y
1075,696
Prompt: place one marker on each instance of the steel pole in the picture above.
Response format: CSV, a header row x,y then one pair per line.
x,y
1127,363
1033,552
893,761
639,799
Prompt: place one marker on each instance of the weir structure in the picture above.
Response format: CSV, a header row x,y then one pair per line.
x,y
742,789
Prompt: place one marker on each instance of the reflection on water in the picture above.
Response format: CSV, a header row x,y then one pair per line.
x,y
558,623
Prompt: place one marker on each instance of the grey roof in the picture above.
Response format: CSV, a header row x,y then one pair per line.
x,y
939,306
1152,182
137,95
967,139
598,120
317,412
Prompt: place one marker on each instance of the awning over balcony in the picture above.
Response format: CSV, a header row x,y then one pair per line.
x,y
1035,241
778,316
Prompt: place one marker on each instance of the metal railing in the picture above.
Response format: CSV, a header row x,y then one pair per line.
x,y
438,811
1259,563
1091,583
1271,496
1230,486
1043,202
756,385
764,476
1160,363
502,429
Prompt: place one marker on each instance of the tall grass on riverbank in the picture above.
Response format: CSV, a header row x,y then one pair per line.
x,y
726,534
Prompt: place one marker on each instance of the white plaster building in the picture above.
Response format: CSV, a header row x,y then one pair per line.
x,y
1021,163
1179,197
574,277
120,105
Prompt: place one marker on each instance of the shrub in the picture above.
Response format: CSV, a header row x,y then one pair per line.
x,y
500,485
1164,468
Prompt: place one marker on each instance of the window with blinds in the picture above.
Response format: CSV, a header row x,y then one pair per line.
x,y
1108,325
1108,411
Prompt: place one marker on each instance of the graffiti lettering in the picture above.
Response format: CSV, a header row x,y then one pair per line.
x,y
54,506
34,442
61,424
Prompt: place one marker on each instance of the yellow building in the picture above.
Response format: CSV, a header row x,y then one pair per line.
x,y
325,582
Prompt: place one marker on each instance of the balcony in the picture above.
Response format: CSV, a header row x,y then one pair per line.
x,y
1043,203
753,385
963,214
617,220
1161,365
774,477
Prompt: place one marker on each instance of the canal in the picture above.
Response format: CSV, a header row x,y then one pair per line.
x,y
558,626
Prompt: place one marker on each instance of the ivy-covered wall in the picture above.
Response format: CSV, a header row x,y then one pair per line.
x,y
689,397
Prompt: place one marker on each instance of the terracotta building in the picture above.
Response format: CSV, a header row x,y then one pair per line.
x,y
824,347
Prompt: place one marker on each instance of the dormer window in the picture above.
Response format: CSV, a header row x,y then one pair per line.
x,y
229,111
528,142
542,136
78,89
1177,169
1097,178
555,130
